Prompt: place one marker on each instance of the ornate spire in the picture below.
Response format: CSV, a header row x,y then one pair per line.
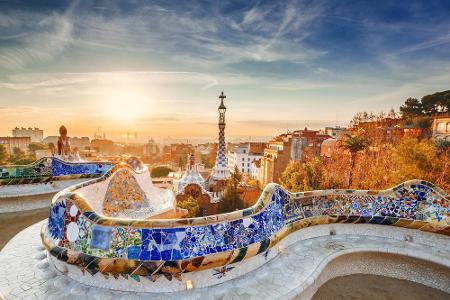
x,y
220,171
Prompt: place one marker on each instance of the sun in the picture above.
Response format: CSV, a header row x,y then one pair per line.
x,y
126,104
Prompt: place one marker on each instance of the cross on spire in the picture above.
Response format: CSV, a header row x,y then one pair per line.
x,y
222,96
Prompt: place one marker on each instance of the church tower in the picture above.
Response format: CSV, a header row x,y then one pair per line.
x,y
220,170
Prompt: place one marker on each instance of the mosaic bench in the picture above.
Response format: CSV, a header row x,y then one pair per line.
x,y
81,238
49,169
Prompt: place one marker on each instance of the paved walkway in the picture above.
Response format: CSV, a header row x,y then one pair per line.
x,y
22,197
27,274
15,190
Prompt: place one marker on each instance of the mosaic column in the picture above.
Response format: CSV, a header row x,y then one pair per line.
x,y
220,171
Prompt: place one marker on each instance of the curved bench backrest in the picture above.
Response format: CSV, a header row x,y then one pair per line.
x,y
51,168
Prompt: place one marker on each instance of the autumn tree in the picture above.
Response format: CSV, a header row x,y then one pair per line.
x,y
416,160
303,176
231,199
19,157
3,155
354,144
191,205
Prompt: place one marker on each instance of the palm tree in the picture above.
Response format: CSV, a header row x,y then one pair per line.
x,y
354,144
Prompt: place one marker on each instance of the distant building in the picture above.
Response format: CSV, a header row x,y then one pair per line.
x,y
15,142
204,149
441,127
388,130
192,184
255,169
242,156
35,134
286,147
334,132
151,148
80,142
105,147
87,153
328,147
51,139
176,154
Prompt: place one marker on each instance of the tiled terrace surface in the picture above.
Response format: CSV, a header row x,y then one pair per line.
x,y
297,271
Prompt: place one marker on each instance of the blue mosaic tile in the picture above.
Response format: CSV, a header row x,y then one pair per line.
x,y
101,237
56,220
410,202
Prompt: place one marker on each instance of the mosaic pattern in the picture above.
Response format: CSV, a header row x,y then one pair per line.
x,y
60,168
49,169
154,248
123,193
221,160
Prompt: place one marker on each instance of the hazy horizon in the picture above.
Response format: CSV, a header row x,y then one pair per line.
x,y
157,68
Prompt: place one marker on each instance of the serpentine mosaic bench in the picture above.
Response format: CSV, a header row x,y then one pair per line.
x,y
82,239
48,169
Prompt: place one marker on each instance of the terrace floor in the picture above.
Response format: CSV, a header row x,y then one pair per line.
x,y
308,259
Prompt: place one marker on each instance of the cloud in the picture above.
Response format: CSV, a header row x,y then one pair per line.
x,y
290,123
40,38
48,82
437,41
289,85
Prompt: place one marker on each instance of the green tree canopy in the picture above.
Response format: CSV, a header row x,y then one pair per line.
x,y
429,105
437,102
411,108
19,157
37,146
191,206
160,171
3,155
299,176
231,199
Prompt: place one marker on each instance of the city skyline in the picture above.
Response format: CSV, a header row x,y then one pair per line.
x,y
158,68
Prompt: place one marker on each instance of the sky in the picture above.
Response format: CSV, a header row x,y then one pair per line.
x,y
157,67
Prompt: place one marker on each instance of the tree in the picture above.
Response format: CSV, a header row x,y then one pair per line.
x,y
36,146
443,145
231,200
19,158
180,162
52,148
412,108
191,206
416,160
354,144
299,176
236,177
160,171
212,154
17,155
391,114
3,155
437,102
